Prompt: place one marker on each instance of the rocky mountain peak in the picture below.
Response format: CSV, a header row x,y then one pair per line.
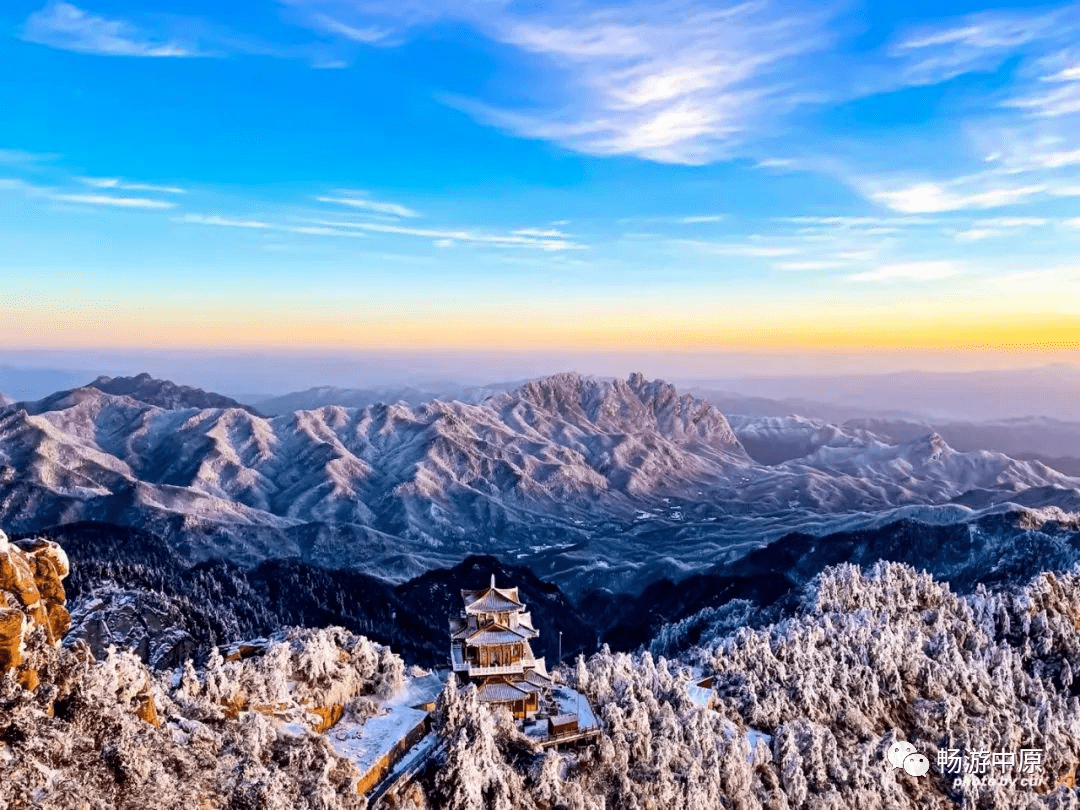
x,y
634,405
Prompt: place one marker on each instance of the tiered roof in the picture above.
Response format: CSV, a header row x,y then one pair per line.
x,y
496,634
492,600
537,678
501,692
472,633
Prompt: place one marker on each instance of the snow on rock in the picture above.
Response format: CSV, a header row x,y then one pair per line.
x,y
244,731
163,393
1037,518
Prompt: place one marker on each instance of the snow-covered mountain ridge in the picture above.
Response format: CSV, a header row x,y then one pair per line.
x,y
547,473
164,394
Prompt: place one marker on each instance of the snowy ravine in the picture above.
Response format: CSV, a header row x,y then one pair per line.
x,y
802,714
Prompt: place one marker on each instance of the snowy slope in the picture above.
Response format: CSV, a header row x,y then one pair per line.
x,y
550,472
546,444
163,393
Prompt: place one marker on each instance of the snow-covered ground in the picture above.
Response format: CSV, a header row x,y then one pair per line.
x,y
366,743
573,702
569,701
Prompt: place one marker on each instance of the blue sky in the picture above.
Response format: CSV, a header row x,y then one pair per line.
x,y
479,173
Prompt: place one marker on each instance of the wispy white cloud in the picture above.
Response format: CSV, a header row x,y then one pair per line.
x,y
778,163
67,27
123,185
224,222
663,81
548,240
542,233
857,222
1055,90
694,81
1060,101
689,219
513,239
34,190
910,271
358,199
109,200
979,234
264,225
978,42
808,265
752,250
931,197
368,35
20,157
703,219
676,81
1069,74
996,227
319,230
1025,128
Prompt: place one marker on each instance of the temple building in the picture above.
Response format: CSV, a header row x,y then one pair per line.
x,y
489,647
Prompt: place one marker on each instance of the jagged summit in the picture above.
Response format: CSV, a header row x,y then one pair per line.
x,y
164,394
633,405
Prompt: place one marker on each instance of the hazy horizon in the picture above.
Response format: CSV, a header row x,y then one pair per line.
x,y
943,384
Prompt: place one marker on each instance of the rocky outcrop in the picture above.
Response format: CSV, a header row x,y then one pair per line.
x,y
31,596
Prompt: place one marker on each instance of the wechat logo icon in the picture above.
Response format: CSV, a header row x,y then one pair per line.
x,y
903,755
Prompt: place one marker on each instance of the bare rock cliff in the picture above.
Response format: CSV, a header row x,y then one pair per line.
x,y
31,596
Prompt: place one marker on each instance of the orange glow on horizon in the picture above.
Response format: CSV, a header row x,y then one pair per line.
x,y
765,331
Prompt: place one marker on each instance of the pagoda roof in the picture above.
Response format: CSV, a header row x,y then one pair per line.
x,y
496,634
538,678
492,600
459,628
501,692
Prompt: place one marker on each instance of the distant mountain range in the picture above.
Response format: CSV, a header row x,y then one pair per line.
x,y
593,483
972,396
772,432
324,396
1055,442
